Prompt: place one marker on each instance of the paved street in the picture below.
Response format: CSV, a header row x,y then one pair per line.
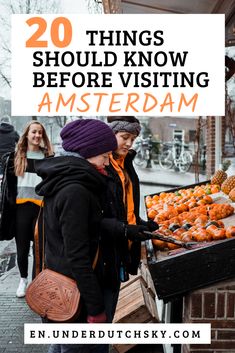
x,y
157,176
13,314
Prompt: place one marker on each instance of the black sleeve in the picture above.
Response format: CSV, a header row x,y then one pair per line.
x,y
111,227
17,136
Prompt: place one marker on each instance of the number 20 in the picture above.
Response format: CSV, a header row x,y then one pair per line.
x,y
34,42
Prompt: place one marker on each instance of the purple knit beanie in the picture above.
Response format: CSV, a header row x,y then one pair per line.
x,y
88,137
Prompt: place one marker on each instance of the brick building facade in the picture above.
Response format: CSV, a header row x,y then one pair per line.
x,y
214,305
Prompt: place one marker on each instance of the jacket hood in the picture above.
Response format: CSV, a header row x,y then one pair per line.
x,y
6,128
58,172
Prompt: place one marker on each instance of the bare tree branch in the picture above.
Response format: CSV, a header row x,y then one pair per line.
x,y
18,7
94,6
5,79
61,121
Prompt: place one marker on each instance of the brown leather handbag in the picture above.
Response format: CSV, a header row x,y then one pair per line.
x,y
52,295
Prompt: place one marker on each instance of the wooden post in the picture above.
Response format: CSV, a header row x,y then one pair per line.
x,y
210,146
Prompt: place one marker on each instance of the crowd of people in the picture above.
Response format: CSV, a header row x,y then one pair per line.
x,y
90,200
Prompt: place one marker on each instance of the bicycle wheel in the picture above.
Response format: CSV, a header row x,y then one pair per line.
x,y
166,160
185,161
141,159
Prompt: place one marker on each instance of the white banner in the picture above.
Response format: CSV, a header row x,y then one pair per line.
x,y
155,65
117,333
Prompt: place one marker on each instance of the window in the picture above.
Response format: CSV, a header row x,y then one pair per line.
x,y
178,135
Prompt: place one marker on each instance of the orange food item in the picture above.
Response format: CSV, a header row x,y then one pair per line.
x,y
147,198
201,220
220,223
167,232
199,192
192,204
201,235
175,220
149,203
215,188
208,199
151,213
156,197
159,244
162,195
201,202
182,208
154,202
162,228
179,233
211,229
186,237
219,234
230,232
163,223
159,218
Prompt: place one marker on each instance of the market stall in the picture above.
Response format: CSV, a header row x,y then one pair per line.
x,y
200,277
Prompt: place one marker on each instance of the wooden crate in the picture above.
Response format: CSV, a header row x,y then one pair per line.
x,y
135,305
131,305
149,299
146,276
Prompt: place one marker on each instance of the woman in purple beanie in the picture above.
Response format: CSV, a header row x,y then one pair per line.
x,y
72,186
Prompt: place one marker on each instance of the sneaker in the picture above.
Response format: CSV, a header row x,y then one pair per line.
x,y
21,290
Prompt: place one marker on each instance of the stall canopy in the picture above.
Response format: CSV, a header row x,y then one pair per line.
x,y
178,7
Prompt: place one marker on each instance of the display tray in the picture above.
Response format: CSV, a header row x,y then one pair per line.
x,y
176,272
181,187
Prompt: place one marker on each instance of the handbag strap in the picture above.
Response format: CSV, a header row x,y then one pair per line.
x,y
36,246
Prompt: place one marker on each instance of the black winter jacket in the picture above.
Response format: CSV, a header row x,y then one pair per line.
x,y
8,138
8,199
114,243
71,188
8,196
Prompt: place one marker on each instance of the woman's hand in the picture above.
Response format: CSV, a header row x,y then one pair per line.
x,y
135,232
151,225
97,319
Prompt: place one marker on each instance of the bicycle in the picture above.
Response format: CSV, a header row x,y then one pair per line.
x,y
147,152
175,155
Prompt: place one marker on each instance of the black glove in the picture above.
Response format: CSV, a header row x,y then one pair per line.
x,y
151,225
135,232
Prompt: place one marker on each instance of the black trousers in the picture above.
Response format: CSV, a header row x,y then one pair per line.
x,y
26,216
